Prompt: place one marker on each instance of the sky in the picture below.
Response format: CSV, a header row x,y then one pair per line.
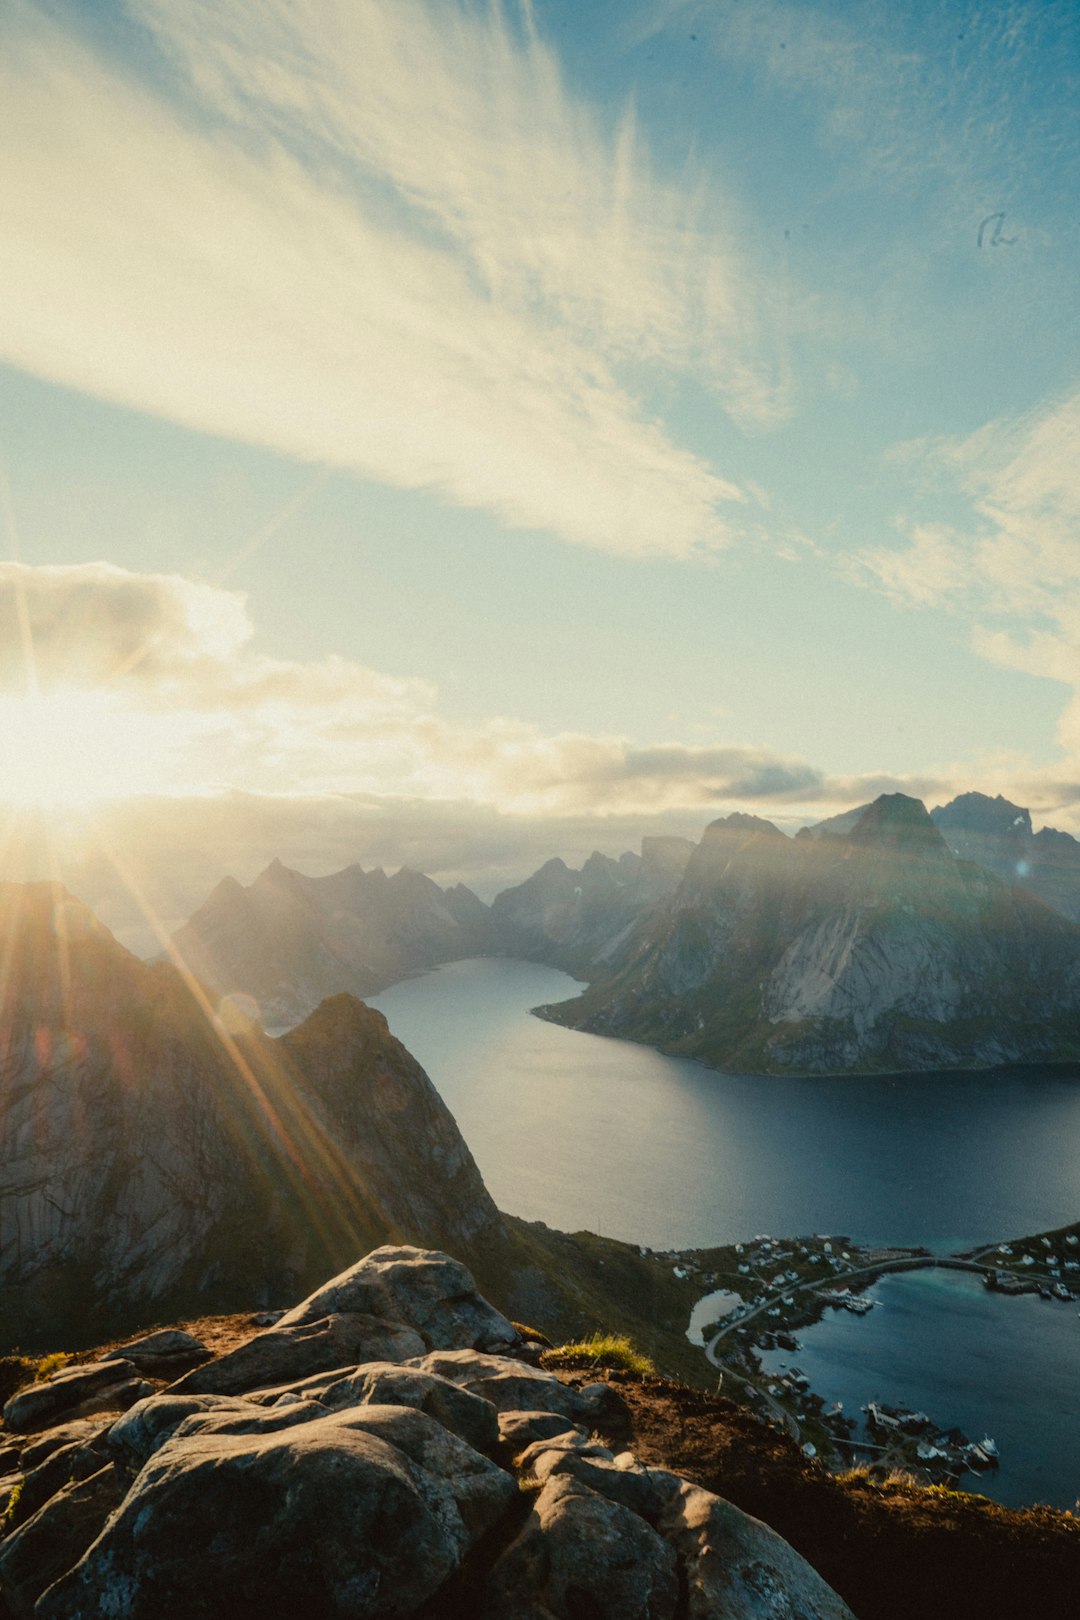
x,y
457,434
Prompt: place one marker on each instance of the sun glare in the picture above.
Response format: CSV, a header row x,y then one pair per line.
x,y
72,748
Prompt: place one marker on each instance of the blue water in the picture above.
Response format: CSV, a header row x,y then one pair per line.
x,y
939,1342
586,1132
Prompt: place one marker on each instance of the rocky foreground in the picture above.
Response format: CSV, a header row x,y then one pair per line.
x,y
387,1448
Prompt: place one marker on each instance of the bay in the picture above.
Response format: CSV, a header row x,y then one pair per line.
x,y
938,1342
586,1132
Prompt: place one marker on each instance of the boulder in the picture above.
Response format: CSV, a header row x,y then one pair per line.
x,y
43,1404
63,1466
168,1347
521,1429
736,1568
511,1385
134,1438
431,1292
363,1514
471,1418
79,1430
287,1353
49,1543
580,1554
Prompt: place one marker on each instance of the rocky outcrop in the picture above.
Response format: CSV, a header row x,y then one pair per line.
x,y
288,941
864,944
578,920
388,1490
155,1158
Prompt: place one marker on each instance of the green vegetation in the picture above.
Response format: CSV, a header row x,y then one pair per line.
x,y
609,1350
50,1364
11,1512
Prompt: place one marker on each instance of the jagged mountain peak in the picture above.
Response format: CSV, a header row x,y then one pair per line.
x,y
901,823
740,824
159,1157
978,812
289,940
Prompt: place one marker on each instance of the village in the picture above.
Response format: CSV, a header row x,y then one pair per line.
x,y
760,1294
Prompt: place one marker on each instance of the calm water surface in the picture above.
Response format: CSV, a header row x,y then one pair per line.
x,y
938,1342
585,1132
580,1131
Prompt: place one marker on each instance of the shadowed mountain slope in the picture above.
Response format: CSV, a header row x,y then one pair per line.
x,y
577,920
863,945
152,1158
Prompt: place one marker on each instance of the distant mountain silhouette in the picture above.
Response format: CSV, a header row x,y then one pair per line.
x,y
576,919
288,940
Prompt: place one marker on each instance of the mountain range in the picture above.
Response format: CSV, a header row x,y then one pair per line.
x,y
863,944
288,941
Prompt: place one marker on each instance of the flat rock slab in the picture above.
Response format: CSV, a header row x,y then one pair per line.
x,y
431,1292
43,1404
286,1353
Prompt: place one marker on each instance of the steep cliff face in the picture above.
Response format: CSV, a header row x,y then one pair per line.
x,y
579,920
998,835
152,1160
866,945
289,940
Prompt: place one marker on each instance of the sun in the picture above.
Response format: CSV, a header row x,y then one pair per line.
x,y
80,747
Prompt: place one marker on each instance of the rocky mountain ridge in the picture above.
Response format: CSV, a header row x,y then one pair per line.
x,y
861,945
998,835
288,941
577,919
153,1154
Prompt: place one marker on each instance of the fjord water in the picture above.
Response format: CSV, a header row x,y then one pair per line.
x,y
586,1132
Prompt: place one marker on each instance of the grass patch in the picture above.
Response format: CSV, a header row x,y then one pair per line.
x,y
10,1518
50,1364
602,1350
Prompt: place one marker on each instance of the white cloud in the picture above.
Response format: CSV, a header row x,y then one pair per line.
x,y
1014,570
385,238
175,659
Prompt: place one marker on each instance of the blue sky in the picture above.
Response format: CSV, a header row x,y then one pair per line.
x,y
555,421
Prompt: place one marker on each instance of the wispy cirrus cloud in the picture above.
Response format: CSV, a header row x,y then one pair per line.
x,y
385,238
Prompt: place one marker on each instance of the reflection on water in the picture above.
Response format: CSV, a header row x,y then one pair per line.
x,y
584,1132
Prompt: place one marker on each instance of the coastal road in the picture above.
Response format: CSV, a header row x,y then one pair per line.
x,y
906,1263
913,1263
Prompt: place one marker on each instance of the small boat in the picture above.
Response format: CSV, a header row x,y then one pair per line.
x,y
978,1456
